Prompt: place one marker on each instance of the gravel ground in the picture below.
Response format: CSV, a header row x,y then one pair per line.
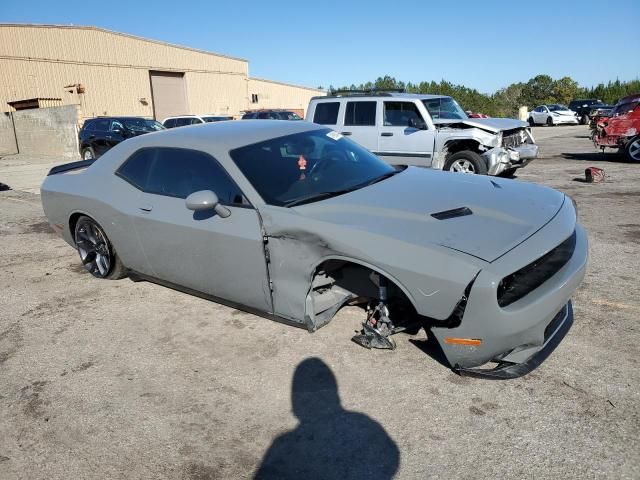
x,y
119,379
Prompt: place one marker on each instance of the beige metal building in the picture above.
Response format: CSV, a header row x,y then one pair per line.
x,y
270,94
110,73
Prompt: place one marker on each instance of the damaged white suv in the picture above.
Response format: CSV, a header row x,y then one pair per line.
x,y
427,131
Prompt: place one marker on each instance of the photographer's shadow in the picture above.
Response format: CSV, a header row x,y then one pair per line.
x,y
329,442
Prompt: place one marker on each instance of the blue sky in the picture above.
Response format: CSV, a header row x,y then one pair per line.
x,y
481,44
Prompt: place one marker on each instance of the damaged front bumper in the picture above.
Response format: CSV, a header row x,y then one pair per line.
x,y
555,332
500,159
524,332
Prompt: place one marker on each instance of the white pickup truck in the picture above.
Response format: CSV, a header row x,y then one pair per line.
x,y
427,131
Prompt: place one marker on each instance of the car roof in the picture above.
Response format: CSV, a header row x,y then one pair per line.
x,y
220,137
630,98
190,115
109,118
418,96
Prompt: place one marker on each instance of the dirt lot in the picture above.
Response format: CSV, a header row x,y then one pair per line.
x,y
105,379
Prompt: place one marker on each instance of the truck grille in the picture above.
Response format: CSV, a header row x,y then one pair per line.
x,y
530,277
514,139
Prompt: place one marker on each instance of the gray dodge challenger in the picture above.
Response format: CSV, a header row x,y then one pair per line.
x,y
291,221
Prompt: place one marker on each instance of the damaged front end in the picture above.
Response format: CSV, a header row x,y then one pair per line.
x,y
505,146
517,149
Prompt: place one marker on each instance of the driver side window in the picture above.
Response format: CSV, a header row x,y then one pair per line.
x,y
177,172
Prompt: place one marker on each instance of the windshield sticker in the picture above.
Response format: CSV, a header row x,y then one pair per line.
x,y
334,135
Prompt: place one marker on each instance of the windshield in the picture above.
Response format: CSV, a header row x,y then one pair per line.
x,y
444,108
215,119
308,166
624,108
288,116
142,125
556,107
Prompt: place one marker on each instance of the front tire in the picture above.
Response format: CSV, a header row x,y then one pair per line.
x,y
531,122
632,150
585,120
96,251
549,122
466,162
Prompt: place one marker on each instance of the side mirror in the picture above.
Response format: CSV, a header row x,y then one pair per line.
x,y
206,200
417,123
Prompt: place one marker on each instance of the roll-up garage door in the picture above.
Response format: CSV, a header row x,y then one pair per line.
x,y
169,94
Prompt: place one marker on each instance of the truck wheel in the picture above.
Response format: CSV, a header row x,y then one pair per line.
x,y
632,150
549,122
531,122
585,119
466,162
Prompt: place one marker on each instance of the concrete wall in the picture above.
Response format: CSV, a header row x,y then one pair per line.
x,y
280,95
49,131
7,138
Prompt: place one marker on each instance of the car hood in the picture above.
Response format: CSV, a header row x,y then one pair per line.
x,y
489,124
565,112
504,213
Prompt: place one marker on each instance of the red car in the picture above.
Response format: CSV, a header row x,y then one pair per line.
x,y
476,115
621,130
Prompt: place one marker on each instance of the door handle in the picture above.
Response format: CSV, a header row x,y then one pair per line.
x,y
386,134
346,133
146,208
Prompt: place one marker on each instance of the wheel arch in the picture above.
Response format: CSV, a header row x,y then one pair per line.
x,y
316,318
460,144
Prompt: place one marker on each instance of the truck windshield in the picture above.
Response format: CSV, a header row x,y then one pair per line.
x,y
444,108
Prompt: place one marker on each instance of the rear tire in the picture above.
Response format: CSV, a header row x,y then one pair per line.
x,y
632,150
466,161
97,254
88,154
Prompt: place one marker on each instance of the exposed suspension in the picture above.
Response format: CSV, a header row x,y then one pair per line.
x,y
377,328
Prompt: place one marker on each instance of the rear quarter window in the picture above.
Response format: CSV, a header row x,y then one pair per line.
x,y
326,113
136,169
101,125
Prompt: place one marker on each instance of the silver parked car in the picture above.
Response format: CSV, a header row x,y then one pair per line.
x,y
291,220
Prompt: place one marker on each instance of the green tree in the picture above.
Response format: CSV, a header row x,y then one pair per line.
x,y
565,90
505,102
539,90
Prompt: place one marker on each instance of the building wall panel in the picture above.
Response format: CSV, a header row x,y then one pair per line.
x,y
97,46
280,95
39,61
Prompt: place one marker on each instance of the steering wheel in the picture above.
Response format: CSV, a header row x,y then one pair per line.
x,y
331,157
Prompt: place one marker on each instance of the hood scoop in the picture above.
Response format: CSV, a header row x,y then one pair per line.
x,y
456,212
